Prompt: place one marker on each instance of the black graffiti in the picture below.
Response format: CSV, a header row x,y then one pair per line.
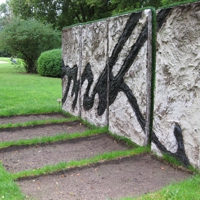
x,y
162,16
117,84
180,153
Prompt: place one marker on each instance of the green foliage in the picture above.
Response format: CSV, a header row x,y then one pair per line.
x,y
61,13
27,39
126,5
50,63
167,3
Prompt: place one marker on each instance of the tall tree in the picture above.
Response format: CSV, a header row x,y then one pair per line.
x,y
61,12
28,39
5,14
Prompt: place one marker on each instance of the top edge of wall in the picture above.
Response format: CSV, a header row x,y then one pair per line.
x,y
185,3
115,15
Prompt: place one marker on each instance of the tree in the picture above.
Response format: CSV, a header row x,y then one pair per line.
x,y
125,5
27,39
168,2
5,14
61,13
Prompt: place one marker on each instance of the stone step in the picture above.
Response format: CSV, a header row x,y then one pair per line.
x,y
126,177
16,159
27,118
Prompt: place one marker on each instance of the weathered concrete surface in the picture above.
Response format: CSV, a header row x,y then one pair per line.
x,y
122,118
71,51
94,52
177,95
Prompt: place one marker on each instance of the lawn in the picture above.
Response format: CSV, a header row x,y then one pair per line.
x,y
22,93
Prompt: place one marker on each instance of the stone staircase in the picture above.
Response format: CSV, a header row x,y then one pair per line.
x,y
51,156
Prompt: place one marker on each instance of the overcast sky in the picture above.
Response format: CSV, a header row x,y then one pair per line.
x,y
2,1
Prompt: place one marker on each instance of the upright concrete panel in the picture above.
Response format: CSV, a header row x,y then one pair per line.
x,y
177,95
71,54
93,76
128,38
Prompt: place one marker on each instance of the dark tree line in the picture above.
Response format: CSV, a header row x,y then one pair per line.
x,y
62,13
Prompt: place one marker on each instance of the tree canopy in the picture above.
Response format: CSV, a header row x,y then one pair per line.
x,y
62,13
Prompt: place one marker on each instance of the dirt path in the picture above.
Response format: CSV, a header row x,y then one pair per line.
x,y
14,134
131,176
26,118
17,159
113,180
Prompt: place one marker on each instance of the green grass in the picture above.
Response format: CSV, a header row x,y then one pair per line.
x,y
23,93
38,122
187,190
8,188
51,139
80,163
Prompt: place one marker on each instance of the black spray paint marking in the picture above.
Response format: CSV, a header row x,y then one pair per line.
x,y
180,153
117,84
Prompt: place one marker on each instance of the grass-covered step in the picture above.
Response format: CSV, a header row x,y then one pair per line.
x,y
26,118
28,132
124,177
8,188
16,159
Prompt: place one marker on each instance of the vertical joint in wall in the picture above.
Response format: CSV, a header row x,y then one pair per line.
x,y
149,77
80,65
153,69
108,74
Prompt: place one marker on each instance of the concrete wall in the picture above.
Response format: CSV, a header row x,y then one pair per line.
x,y
107,78
177,94
71,53
94,56
128,76
110,58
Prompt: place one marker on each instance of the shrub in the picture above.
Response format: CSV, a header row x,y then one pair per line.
x,y
27,39
49,63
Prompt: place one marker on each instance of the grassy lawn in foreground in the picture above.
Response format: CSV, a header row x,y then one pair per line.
x,y
22,93
8,189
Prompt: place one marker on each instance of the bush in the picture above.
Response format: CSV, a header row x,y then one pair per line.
x,y
49,63
27,39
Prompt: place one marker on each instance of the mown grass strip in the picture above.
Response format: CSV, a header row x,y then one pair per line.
x,y
187,189
51,139
8,188
38,122
123,139
48,169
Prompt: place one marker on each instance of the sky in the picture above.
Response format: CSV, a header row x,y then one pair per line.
x,y
2,1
